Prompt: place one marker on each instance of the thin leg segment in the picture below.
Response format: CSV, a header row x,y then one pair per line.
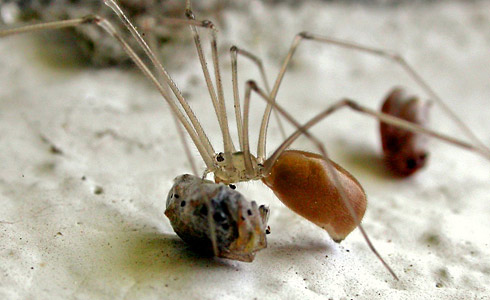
x,y
386,118
255,59
163,73
148,26
107,26
218,101
236,95
246,145
364,110
395,57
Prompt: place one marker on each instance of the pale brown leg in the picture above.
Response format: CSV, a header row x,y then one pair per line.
x,y
217,100
386,118
107,26
148,27
400,123
236,96
246,144
163,73
234,50
222,117
395,57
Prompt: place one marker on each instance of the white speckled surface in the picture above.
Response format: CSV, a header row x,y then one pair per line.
x,y
60,240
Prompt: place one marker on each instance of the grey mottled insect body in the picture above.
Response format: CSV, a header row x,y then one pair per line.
x,y
216,219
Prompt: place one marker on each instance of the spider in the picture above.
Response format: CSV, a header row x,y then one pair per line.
x,y
302,180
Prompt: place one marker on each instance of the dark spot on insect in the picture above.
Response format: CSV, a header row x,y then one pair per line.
x,y
84,178
32,268
249,212
219,217
176,196
182,204
232,186
438,285
204,210
225,226
411,163
392,144
268,230
98,190
347,250
219,157
243,218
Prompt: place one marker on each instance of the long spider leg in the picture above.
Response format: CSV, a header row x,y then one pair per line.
x,y
361,109
272,95
399,59
386,118
395,57
152,43
163,73
246,145
219,101
236,95
257,61
331,170
107,26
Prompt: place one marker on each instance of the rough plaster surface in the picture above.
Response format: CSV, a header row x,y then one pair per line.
x,y
88,155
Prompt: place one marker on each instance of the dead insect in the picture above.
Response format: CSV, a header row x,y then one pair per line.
x,y
405,152
216,219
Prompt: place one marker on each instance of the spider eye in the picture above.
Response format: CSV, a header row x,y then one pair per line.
x,y
220,157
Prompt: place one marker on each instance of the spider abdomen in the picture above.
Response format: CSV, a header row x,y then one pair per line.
x,y
302,181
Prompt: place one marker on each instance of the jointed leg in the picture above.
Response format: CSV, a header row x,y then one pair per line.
x,y
217,100
222,117
236,96
356,107
105,25
370,50
234,51
386,118
246,145
163,73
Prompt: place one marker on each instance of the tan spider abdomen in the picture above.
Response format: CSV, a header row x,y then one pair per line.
x,y
301,180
